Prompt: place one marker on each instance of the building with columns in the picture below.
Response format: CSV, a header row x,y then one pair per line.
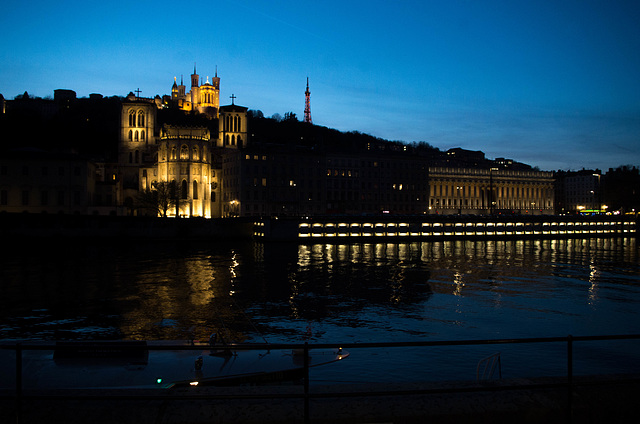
x,y
489,191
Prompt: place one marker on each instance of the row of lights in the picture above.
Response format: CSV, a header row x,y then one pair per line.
x,y
458,229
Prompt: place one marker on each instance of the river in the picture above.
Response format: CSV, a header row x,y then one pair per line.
x,y
341,293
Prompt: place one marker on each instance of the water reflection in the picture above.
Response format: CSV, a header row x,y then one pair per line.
x,y
363,291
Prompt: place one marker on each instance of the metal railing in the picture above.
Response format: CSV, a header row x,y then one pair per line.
x,y
566,382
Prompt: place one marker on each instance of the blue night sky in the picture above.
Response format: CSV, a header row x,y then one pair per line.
x,y
555,84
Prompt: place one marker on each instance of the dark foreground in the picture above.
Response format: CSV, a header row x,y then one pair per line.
x,y
593,400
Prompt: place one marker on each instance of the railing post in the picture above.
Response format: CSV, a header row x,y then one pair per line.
x,y
569,379
18,383
306,382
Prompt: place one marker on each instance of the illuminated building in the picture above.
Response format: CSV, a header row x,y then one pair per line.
x,y
203,98
184,156
138,144
489,191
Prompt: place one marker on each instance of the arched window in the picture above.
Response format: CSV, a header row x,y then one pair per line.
x,y
173,153
233,140
239,123
136,136
132,118
195,190
130,135
142,135
235,124
184,152
141,119
196,154
184,190
226,140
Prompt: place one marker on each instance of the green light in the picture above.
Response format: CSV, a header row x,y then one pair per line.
x,y
158,380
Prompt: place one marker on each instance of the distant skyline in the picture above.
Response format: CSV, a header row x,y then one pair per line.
x,y
554,84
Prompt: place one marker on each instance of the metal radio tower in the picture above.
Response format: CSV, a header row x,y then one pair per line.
x,y
307,104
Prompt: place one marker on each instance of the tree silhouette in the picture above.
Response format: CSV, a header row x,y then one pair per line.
x,y
162,197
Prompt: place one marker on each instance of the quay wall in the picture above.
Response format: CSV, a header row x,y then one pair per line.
x,y
386,228
59,226
314,229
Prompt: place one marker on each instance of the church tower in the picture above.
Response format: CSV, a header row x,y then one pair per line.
x,y
195,88
182,89
174,90
137,143
232,126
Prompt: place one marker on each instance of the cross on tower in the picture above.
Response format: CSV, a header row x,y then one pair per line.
x,y
233,98
138,92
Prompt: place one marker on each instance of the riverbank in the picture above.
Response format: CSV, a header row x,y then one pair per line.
x,y
610,399
317,229
49,226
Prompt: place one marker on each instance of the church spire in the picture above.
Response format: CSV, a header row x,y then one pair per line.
x,y
195,78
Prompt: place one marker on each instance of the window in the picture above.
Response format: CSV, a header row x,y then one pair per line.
x,y
142,135
140,119
184,152
184,189
130,135
195,190
132,118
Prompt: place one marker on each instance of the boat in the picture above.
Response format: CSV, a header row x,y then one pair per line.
x,y
157,364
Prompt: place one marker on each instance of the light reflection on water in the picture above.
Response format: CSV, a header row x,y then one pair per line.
x,y
338,293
